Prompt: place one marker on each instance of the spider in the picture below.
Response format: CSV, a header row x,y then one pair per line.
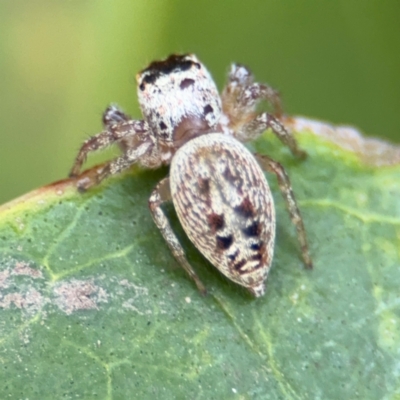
x,y
217,186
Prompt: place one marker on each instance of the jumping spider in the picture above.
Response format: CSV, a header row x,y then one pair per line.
x,y
219,191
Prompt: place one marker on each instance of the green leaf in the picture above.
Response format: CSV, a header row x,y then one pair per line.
x,y
94,306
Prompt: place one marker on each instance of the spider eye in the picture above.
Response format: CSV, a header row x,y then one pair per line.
x,y
184,65
151,78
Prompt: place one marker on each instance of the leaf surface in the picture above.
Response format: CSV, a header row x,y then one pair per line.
x,y
94,306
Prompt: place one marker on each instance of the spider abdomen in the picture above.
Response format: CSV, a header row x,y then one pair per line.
x,y
225,206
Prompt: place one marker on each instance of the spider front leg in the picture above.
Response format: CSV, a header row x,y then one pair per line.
x,y
239,102
264,121
116,166
161,194
286,189
134,131
114,115
113,118
241,95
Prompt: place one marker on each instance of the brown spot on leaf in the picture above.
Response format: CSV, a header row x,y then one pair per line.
x,y
15,299
30,301
79,295
23,268
3,278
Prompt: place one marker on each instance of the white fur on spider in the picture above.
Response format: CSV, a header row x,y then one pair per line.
x,y
171,98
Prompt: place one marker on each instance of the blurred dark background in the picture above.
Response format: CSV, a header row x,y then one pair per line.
x,y
63,62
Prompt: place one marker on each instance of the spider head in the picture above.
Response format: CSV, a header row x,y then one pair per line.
x,y
178,99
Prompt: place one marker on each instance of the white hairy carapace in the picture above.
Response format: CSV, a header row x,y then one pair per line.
x,y
218,188
178,99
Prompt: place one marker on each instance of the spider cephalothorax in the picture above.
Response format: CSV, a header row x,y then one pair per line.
x,y
217,186
178,99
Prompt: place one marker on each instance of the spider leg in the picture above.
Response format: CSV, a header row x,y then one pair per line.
x,y
114,166
161,194
114,115
242,95
286,189
256,92
114,134
264,121
240,75
239,101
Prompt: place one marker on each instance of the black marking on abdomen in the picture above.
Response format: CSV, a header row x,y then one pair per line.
x,y
253,230
238,266
224,242
256,246
216,221
234,255
256,257
245,208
